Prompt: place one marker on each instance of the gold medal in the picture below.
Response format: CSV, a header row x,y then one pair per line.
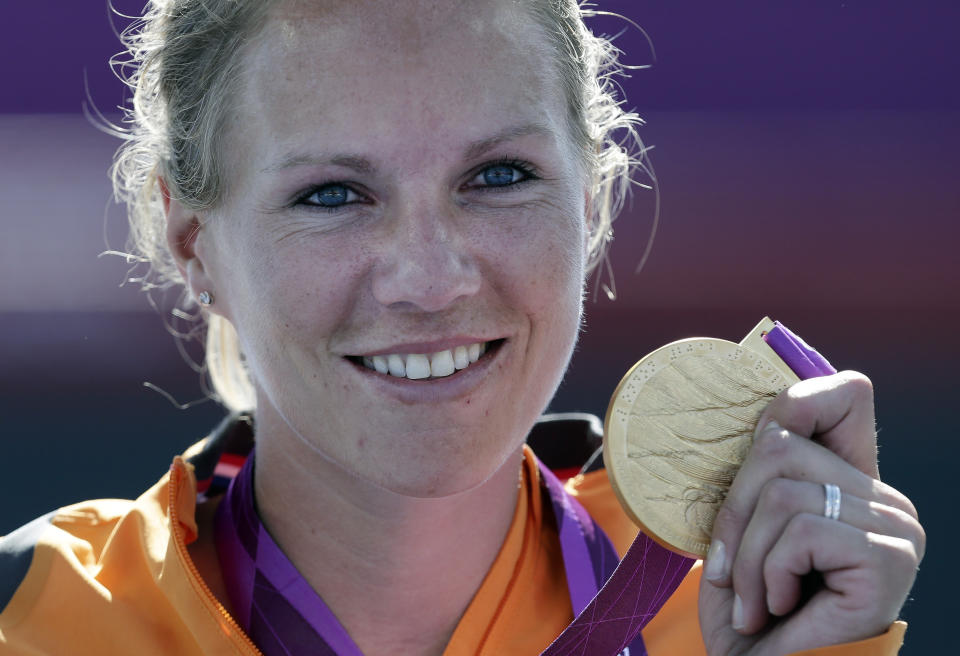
x,y
679,426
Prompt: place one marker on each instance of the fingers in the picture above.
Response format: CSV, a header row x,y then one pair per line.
x,y
771,530
837,411
866,575
781,454
781,478
781,502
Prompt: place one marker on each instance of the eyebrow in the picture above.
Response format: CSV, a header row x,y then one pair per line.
x,y
483,146
363,165
355,162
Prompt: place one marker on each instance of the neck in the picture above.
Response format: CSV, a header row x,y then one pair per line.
x,y
397,571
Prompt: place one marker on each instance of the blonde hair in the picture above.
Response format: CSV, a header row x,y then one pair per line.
x,y
183,62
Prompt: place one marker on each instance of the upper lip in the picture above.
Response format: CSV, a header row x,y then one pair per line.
x,y
432,346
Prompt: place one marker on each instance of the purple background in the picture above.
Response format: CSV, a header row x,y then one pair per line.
x,y
807,157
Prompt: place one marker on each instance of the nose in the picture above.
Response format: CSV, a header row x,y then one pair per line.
x,y
426,261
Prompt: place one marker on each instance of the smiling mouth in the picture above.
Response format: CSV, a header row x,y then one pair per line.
x,y
427,366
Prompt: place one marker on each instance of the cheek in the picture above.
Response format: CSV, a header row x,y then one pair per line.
x,y
542,267
284,300
552,260
305,292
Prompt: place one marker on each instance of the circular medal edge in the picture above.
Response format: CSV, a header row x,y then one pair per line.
x,y
612,461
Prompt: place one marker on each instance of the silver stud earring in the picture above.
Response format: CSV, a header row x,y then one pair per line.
x,y
205,298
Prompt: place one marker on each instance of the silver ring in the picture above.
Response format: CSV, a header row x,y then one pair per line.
x,y
831,504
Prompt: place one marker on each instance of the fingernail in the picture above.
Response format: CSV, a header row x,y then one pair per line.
x,y
771,425
716,565
737,613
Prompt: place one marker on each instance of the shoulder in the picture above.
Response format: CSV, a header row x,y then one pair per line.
x,y
16,555
81,529
61,574
53,554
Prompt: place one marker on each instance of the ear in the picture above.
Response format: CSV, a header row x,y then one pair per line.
x,y
184,236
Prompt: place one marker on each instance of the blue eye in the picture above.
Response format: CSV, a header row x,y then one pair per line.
x,y
332,195
502,175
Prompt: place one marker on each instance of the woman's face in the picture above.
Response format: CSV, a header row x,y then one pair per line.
x,y
402,189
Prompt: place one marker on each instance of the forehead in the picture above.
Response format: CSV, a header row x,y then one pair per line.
x,y
433,67
414,23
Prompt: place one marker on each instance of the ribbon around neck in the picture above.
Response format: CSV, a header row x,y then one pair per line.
x,y
284,616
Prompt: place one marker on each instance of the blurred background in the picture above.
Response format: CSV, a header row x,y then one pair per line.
x,y
807,161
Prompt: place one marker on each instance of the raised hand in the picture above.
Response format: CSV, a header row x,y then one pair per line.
x,y
782,576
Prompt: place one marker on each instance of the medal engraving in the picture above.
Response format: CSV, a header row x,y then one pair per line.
x,y
678,428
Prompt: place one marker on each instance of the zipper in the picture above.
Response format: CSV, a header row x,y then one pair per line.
x,y
198,581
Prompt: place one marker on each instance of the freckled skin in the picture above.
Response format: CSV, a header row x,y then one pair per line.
x,y
424,255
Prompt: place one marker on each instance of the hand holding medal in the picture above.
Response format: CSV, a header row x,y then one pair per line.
x,y
680,425
715,447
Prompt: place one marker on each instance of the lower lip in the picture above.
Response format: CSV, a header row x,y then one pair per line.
x,y
433,390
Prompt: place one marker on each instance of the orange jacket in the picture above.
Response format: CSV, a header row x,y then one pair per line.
x,y
115,577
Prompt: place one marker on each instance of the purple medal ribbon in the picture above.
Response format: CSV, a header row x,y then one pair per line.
x,y
614,618
273,603
589,557
591,563
802,358
284,616
611,601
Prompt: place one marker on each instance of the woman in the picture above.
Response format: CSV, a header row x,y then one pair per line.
x,y
391,209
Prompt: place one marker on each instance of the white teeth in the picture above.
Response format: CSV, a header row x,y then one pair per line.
x,y
418,366
460,358
397,368
441,364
